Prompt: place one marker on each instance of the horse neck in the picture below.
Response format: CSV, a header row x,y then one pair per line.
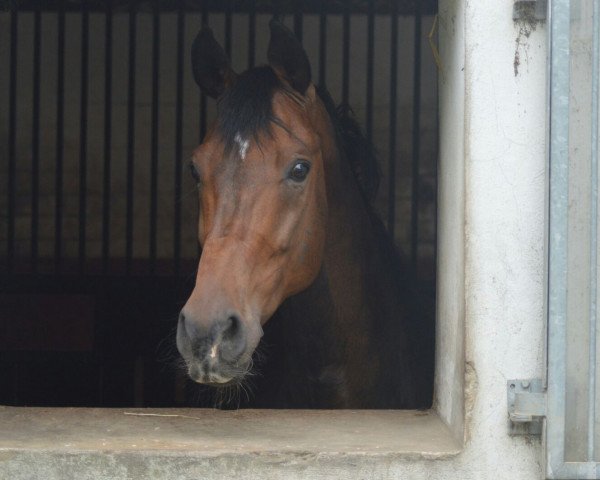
x,y
338,321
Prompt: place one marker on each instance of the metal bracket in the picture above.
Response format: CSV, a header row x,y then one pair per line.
x,y
526,406
531,11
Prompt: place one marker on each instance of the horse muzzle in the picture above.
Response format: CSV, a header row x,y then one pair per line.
x,y
217,353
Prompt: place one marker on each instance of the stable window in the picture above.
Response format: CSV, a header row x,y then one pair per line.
x,y
99,217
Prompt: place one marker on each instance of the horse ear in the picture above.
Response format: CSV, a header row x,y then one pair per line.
x,y
210,64
287,57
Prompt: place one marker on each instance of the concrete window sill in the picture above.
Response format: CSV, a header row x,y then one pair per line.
x,y
184,443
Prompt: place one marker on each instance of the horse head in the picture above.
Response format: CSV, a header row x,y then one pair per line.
x,y
261,175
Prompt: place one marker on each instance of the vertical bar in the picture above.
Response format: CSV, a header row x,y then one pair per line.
x,y
558,231
83,132
203,99
416,130
12,144
228,27
106,187
436,190
277,8
154,135
346,54
60,107
35,135
204,107
178,138
370,60
322,44
594,231
393,117
130,139
252,34
298,21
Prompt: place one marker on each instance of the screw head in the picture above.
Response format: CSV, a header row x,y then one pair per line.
x,y
525,383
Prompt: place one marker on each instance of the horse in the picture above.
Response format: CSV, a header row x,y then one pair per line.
x,y
288,236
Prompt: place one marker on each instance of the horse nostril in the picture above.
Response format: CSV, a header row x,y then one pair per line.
x,y
232,328
193,330
232,338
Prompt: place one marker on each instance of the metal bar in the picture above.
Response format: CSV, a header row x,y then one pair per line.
x,y
391,220
12,143
558,229
60,106
277,10
435,193
416,131
298,21
203,116
178,138
346,53
154,134
370,61
106,184
252,34
322,45
35,138
228,27
203,99
578,470
130,139
428,7
203,109
594,232
547,112
83,119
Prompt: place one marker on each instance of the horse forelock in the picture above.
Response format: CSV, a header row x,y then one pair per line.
x,y
245,111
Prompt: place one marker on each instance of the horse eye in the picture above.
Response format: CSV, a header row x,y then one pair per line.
x,y
299,171
194,172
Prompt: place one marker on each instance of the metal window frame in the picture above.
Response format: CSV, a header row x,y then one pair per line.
x,y
558,168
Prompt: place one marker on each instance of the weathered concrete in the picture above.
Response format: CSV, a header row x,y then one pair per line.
x,y
450,301
195,443
490,325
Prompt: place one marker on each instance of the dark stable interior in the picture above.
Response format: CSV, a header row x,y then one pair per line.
x,y
110,342
105,336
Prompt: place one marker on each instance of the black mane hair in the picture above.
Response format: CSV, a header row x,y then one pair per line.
x,y
357,150
246,110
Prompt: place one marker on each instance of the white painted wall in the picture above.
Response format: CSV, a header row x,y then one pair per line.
x,y
502,110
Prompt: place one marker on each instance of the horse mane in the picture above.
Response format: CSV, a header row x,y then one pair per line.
x,y
357,150
360,153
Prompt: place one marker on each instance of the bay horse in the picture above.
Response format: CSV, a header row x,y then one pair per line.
x,y
288,237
